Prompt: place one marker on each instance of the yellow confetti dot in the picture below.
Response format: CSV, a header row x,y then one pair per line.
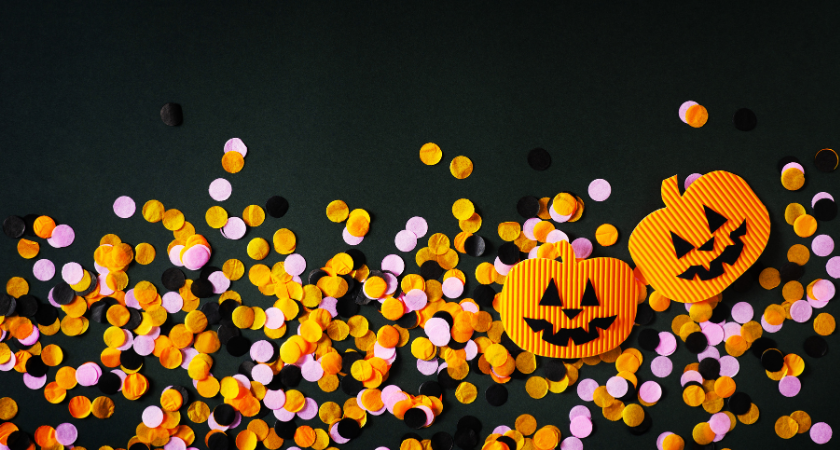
x,y
28,249
824,324
673,442
466,392
144,253
803,420
461,167
102,407
805,226
696,116
233,162
463,209
786,427
337,211
564,204
233,269
79,407
8,408
536,387
430,154
793,179
471,225
198,412
253,215
526,424
485,273
769,278
173,220
633,415
43,227
703,433
509,231
285,241
258,247
216,216
153,211
751,416
792,211
17,287
606,235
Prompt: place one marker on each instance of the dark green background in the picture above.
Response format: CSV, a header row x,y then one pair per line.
x,y
334,99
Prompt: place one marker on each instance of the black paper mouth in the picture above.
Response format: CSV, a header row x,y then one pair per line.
x,y
729,256
578,335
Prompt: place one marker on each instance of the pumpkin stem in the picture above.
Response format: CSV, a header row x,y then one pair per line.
x,y
567,253
670,191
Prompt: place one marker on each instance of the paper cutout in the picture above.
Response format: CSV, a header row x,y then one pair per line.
x,y
702,241
569,309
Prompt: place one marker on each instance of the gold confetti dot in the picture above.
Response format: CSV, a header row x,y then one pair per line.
x,y
216,216
337,211
144,253
769,278
461,167
696,116
824,324
233,162
793,179
466,392
430,154
786,427
253,215
258,247
606,235
792,211
153,211
805,226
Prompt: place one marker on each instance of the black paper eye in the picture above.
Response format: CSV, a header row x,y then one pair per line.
x,y
681,246
715,220
551,297
589,297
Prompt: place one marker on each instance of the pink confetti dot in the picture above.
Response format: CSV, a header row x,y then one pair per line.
x,y
72,273
769,327
720,423
452,287
124,207
501,429
274,399
661,366
832,267
822,245
650,391
418,226
236,145
349,239
415,299
262,351
144,345
501,267
405,241
555,216
175,443
66,434
220,282
729,366
793,165
579,410
34,383
172,302
438,331
152,416
220,189
819,196
690,375
571,443
684,109
556,236
582,247
662,436
617,386
63,236
295,264
800,311
691,178
581,427
599,190
196,257
263,374
586,389
43,270
394,264
667,344
820,433
789,386
742,312
528,227
823,290
713,332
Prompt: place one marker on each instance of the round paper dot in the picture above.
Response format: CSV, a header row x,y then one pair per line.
x,y
349,239
571,443
586,389
819,196
394,264
418,226
832,267
742,312
650,391
822,245
789,386
581,427
684,109
820,432
661,366
582,247
599,190
691,179
617,386
66,434
801,311
152,416
236,145
63,236
43,270
72,273
220,189
295,264
823,290
405,241
234,228
124,207
453,287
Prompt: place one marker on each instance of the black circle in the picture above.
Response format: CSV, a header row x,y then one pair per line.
x,y
554,369
35,366
99,310
63,294
719,314
227,332
442,441
431,388
539,159
109,383
760,345
131,360
815,346
643,427
825,160
140,446
349,428
224,414
27,306
709,368
317,274
8,304
496,395
18,440
359,258
470,422
509,253
644,314
173,278
14,227
172,114
446,381
466,438
791,271
474,245
351,386
484,295
202,288
528,206
739,403
744,119
415,418
507,440
291,375
211,312
276,206
648,339
285,430
772,360
135,318
825,209
431,270
238,346
219,441
409,320
348,359
696,342
445,316
47,314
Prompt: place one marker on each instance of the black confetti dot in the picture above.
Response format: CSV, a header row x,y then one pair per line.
x,y
539,159
172,114
744,119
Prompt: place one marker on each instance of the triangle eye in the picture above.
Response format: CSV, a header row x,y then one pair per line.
x,y
681,246
551,296
715,220
589,297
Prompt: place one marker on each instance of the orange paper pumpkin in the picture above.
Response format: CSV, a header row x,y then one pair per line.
x,y
702,241
569,309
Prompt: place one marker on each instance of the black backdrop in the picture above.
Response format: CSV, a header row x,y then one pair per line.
x,y
334,99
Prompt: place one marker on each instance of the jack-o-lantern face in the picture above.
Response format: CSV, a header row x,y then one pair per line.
x,y
572,309
701,241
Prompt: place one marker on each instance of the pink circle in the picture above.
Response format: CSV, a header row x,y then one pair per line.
x,y
282,415
586,389
720,423
311,371
667,344
88,374
236,145
710,352
793,165
731,329
62,236
690,375
383,352
742,312
234,229
10,364
310,409
274,318
832,267
528,227
571,443
684,109
661,438
438,331
349,239
418,226
394,264
72,273
691,179
819,196
295,264
66,434
800,311
43,270
172,302
144,345
196,257
617,386
820,432
579,410
152,416
768,327
556,236
274,399
130,300
453,287
817,304
822,245
650,391
34,383
175,443
501,429
472,348
789,386
501,267
337,438
220,189
405,241
124,207
823,290
220,282
661,366
415,299
713,332
263,374
729,366
175,255
262,351
599,190
582,247
32,339
555,216
129,341
329,304
581,427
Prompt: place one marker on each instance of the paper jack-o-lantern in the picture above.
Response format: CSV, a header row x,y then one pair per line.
x,y
569,309
702,241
